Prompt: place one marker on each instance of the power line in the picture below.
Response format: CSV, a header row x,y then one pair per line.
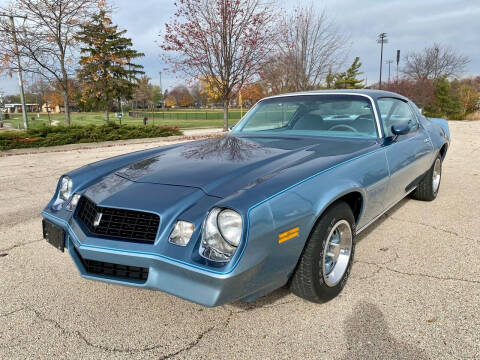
x,y
381,39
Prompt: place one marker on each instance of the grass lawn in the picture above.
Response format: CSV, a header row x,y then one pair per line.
x,y
184,119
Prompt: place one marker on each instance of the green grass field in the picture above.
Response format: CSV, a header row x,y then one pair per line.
x,y
184,119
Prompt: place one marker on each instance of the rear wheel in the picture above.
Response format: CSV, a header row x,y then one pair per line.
x,y
327,258
427,189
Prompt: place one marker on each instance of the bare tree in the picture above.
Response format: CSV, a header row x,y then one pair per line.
x,y
434,62
47,39
225,41
310,46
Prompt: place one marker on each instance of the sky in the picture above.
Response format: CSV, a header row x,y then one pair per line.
x,y
411,25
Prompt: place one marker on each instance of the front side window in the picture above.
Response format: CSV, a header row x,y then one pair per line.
x,y
314,115
395,112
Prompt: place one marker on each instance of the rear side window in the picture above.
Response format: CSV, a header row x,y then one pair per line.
x,y
395,112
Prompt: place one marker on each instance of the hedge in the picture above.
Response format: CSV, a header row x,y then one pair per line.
x,y
62,135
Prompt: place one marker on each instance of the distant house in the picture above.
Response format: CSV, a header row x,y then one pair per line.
x,y
52,109
17,108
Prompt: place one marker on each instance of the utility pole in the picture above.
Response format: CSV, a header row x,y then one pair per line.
x,y
1,110
389,62
398,60
382,39
161,88
17,54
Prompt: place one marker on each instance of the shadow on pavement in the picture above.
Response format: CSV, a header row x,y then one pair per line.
x,y
382,218
264,301
368,337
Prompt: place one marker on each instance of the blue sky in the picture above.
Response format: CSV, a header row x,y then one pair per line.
x,y
410,24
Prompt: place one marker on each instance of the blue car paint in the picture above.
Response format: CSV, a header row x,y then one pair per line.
x,y
276,183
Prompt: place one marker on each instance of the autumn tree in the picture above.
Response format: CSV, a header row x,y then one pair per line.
x,y
182,96
252,92
434,63
186,99
469,97
144,92
46,39
198,93
107,71
170,101
310,47
421,92
210,90
225,40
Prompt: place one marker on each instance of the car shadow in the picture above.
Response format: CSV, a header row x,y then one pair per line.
x,y
368,337
382,218
264,301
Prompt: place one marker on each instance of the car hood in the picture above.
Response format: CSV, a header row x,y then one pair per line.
x,y
221,166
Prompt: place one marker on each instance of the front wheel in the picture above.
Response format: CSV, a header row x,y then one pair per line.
x,y
326,261
427,189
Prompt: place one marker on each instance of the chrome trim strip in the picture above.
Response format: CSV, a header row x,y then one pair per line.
x,y
383,212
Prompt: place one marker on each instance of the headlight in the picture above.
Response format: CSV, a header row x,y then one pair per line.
x,y
65,188
181,234
222,232
73,203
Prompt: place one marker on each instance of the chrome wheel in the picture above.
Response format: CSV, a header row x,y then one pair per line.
x,y
336,255
437,172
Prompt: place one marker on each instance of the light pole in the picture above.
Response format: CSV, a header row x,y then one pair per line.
x,y
382,39
17,54
1,110
161,89
389,62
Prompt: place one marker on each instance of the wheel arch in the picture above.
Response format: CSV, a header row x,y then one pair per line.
x,y
353,197
443,151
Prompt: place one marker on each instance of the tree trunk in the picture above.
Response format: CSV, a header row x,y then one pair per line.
x,y
106,116
225,114
66,96
66,105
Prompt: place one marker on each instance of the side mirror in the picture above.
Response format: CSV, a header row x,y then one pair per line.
x,y
400,129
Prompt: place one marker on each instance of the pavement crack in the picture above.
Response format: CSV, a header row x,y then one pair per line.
x,y
191,345
381,266
19,245
12,312
77,333
451,232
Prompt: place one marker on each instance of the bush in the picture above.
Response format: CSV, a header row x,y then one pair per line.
x,y
62,135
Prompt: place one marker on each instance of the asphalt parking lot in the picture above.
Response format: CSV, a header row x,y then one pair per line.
x,y
414,292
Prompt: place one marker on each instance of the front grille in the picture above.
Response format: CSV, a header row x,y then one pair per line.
x,y
113,270
118,223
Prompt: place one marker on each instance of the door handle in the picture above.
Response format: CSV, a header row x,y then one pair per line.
x,y
426,140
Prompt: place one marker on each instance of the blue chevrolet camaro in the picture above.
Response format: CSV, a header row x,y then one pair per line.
x,y
279,200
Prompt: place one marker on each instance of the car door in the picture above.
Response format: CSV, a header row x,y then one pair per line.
x,y
406,154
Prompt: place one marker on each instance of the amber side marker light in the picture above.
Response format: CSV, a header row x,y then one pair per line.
x,y
287,235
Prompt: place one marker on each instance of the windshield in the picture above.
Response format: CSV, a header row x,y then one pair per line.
x,y
315,115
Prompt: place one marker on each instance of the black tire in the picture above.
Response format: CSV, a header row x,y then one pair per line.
x,y
308,279
425,190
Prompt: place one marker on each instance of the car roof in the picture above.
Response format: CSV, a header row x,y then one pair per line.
x,y
373,93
